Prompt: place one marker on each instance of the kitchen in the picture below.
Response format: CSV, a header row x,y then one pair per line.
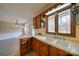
x,y
52,31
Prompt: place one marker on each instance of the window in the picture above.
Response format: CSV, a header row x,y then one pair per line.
x,y
26,28
64,22
51,23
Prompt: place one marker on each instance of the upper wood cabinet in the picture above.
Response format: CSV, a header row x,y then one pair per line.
x,y
40,19
63,23
37,22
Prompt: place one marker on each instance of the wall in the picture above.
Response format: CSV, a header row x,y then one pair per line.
x,y
8,30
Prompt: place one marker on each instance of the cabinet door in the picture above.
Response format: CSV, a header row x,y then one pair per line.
x,y
53,51
37,45
23,46
39,21
43,49
33,44
35,22
63,53
28,42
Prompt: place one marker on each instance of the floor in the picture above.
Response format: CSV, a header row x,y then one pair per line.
x,y
9,47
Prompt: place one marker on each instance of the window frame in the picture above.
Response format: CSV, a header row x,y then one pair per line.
x,y
47,24
72,26
64,14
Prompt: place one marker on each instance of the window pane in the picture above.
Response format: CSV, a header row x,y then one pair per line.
x,y
64,22
51,23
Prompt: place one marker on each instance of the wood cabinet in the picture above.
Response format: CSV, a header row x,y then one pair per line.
x,y
35,45
43,49
53,51
28,42
24,46
40,47
37,22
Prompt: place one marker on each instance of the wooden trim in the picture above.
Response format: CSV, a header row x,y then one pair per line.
x,y
56,23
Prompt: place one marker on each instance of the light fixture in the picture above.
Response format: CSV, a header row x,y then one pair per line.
x,y
16,23
55,10
19,24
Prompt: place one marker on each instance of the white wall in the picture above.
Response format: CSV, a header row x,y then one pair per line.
x,y
8,30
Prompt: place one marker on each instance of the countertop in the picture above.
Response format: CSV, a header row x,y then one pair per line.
x,y
64,45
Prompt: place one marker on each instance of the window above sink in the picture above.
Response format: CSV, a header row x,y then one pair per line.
x,y
62,22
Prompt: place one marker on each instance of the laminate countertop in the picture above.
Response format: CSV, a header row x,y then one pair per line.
x,y
64,45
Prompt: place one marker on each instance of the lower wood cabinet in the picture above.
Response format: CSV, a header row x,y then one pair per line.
x,y
43,49
24,46
53,51
33,43
40,47
37,46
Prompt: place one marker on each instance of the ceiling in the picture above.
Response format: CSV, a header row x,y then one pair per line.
x,y
20,11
